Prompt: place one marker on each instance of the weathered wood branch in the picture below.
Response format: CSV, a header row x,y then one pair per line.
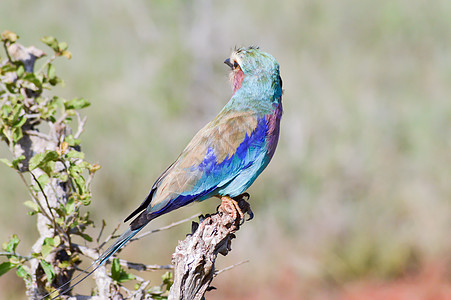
x,y
194,258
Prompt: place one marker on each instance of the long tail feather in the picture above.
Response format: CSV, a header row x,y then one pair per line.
x,y
120,242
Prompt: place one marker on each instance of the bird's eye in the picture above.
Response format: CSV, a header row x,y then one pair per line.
x,y
235,65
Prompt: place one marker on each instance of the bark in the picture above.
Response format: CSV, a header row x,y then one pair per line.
x,y
194,258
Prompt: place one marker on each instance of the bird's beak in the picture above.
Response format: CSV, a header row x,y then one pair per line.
x,y
229,63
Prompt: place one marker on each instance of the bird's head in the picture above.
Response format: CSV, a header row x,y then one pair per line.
x,y
251,62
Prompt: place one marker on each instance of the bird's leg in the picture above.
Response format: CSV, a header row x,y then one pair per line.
x,y
231,207
237,206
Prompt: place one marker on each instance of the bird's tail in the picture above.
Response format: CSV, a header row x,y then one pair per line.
x,y
118,244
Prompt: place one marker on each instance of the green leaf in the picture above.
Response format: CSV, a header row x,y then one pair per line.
x,y
56,241
31,77
17,134
115,269
62,46
51,72
67,54
43,179
41,159
32,205
23,273
51,42
20,71
6,162
48,269
20,121
17,161
45,250
59,221
70,205
14,259
5,267
76,103
167,279
75,154
85,199
118,274
86,237
49,244
12,244
9,36
72,141
54,81
63,265
13,118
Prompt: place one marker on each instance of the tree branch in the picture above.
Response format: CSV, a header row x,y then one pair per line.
x,y
194,258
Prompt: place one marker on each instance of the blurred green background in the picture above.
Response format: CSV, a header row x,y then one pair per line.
x,y
360,187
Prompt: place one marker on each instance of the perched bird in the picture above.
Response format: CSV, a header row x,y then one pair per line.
x,y
225,157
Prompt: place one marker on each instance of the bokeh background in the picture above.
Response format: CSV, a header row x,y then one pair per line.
x,y
356,202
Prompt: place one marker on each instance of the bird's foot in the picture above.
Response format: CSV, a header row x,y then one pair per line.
x,y
244,205
231,207
236,207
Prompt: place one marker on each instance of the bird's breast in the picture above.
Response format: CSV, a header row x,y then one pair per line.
x,y
237,80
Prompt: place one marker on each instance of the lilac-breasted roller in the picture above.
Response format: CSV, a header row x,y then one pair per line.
x,y
226,156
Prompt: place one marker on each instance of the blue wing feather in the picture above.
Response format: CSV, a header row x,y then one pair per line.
x,y
232,176
223,178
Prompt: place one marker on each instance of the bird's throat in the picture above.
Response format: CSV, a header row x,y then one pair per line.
x,y
237,80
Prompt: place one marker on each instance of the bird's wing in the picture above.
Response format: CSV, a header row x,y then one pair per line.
x,y
214,157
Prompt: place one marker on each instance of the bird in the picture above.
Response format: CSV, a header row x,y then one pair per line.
x,y
226,156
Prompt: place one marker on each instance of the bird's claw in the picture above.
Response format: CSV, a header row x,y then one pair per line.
x,y
237,207
244,206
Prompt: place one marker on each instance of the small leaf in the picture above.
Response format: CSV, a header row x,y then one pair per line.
x,y
31,77
15,260
51,72
41,159
20,121
23,273
17,161
48,269
12,244
115,269
94,168
86,200
75,154
51,42
20,71
67,54
9,36
45,250
59,221
5,267
72,141
77,103
86,237
6,162
63,147
118,274
64,264
43,179
56,241
17,134
70,205
62,46
32,205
